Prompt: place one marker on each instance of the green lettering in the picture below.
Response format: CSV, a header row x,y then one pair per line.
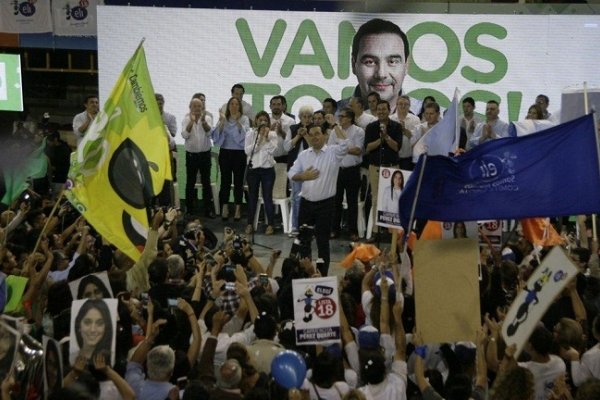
x,y
476,49
307,30
346,33
258,92
305,90
348,91
439,97
514,100
452,53
260,65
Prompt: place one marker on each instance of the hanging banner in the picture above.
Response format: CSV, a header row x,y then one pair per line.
x,y
75,17
316,310
29,16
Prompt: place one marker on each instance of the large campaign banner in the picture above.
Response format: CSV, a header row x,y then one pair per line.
x,y
307,56
316,310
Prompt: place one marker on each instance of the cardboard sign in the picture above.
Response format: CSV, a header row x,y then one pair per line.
x,y
447,289
316,310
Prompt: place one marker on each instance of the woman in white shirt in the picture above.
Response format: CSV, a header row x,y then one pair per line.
x,y
260,144
391,193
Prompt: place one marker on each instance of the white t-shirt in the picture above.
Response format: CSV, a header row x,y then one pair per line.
x,y
392,387
545,374
588,367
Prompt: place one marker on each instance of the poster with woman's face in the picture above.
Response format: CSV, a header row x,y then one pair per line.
x,y
9,337
53,365
391,184
93,286
93,328
460,230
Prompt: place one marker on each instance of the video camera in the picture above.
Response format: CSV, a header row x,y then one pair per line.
x,y
301,246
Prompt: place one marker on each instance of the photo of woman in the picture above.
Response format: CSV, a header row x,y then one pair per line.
x,y
94,286
53,370
92,328
391,193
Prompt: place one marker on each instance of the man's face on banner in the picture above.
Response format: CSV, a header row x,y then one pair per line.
x,y
380,65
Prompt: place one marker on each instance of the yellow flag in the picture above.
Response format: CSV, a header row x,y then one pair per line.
x,y
123,161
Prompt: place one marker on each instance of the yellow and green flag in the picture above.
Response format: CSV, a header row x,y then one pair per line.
x,y
123,161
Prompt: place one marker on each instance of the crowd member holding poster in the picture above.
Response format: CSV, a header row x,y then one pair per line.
x,y
230,136
92,328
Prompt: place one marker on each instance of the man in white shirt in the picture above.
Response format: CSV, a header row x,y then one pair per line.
x,y
195,131
431,115
348,179
82,121
361,118
493,128
409,122
280,124
238,91
317,168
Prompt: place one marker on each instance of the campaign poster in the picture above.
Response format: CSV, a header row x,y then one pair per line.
x,y
492,230
459,230
93,286
316,310
391,183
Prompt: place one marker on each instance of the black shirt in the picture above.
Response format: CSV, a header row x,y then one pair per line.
x,y
385,153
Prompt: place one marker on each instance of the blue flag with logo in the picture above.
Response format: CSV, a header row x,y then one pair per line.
x,y
550,173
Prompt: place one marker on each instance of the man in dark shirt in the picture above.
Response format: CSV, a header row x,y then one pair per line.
x,y
383,139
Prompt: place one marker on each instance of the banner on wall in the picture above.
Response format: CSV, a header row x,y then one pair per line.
x,y
308,56
25,16
75,17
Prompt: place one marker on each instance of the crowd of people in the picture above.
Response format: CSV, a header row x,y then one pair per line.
x,y
198,316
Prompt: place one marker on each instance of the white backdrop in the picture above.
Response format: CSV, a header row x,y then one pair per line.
x,y
511,57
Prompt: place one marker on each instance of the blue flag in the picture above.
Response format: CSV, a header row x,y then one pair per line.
x,y
550,173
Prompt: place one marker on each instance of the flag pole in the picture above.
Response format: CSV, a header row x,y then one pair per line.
x,y
596,132
414,204
586,104
582,234
58,200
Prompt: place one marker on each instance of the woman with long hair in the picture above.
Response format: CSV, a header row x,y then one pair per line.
x,y
260,145
391,193
93,329
230,136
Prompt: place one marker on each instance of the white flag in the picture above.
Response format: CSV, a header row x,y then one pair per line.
x,y
75,17
25,16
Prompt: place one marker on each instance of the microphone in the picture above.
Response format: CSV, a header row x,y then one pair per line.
x,y
381,127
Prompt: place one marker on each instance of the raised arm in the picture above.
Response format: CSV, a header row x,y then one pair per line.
x,y
194,350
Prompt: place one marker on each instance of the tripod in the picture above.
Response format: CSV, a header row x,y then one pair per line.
x,y
246,171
